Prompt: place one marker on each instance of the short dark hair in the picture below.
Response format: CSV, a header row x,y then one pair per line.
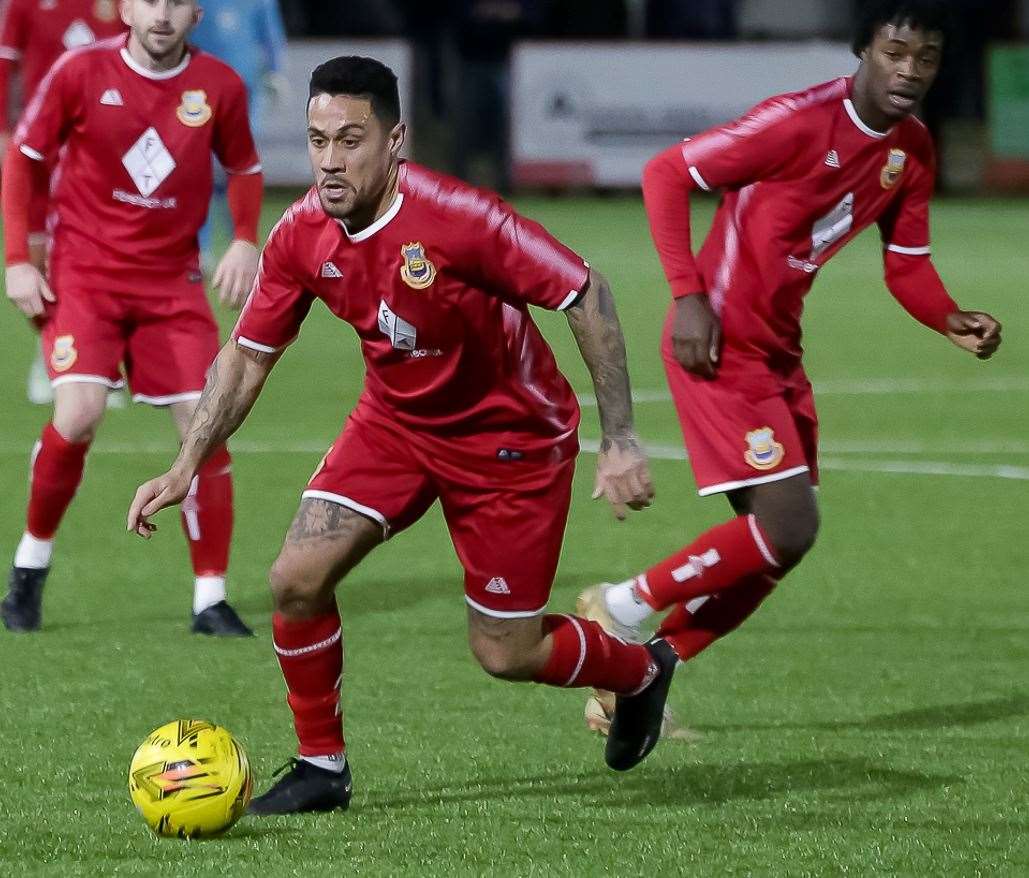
x,y
925,15
364,77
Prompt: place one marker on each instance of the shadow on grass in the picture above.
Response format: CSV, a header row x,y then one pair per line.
x,y
681,785
940,716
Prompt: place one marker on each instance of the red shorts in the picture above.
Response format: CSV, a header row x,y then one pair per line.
x,y
164,340
748,426
506,520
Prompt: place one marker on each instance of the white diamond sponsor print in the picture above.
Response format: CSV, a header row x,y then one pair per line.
x,y
148,162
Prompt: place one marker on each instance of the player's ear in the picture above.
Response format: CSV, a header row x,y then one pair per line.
x,y
125,11
396,138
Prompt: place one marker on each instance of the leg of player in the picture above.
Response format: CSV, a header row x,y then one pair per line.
x,y
325,541
207,524
55,472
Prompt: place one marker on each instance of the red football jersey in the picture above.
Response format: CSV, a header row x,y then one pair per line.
x,y
35,33
438,290
134,177
803,176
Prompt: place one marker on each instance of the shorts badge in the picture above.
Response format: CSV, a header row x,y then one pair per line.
x,y
194,110
763,451
417,272
893,168
64,354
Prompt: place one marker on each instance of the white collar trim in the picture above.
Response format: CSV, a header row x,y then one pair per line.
x,y
136,67
848,105
376,226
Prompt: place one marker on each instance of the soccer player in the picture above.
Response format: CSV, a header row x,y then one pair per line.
x,y
463,403
802,174
33,36
135,120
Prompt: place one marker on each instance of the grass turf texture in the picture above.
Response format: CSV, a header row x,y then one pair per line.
x,y
870,719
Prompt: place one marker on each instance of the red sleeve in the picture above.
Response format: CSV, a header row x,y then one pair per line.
x,y
51,112
16,196
278,302
519,259
13,39
233,140
244,195
915,283
666,195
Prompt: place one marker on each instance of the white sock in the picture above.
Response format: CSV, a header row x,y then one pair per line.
x,y
333,762
207,591
625,605
33,553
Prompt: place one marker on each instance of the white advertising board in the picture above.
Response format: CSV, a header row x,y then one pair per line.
x,y
282,129
591,114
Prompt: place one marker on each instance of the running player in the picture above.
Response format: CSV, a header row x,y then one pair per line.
x,y
802,174
135,120
463,403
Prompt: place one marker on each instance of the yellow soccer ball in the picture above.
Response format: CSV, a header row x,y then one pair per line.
x,y
190,779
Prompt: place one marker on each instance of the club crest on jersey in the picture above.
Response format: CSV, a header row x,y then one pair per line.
x,y
105,10
417,271
893,168
194,110
763,452
64,354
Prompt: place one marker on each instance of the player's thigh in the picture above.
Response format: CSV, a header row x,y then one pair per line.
x,y
507,528
79,407
182,414
174,340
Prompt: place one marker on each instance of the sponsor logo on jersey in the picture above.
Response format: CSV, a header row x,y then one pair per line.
x,y
64,354
763,452
832,160
112,98
148,162
498,585
105,10
194,110
329,270
417,272
893,168
401,334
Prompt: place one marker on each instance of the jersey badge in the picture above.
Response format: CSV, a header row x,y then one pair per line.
x,y
763,452
194,110
105,10
893,168
64,354
417,271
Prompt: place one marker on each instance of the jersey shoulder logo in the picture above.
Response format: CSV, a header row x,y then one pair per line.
x,y
832,160
112,98
763,452
417,271
64,355
329,269
105,10
893,168
194,110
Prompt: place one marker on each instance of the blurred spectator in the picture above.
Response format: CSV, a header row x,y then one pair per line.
x,y
692,19
248,36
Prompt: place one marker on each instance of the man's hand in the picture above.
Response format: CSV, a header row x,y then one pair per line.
x,y
155,495
696,335
28,289
235,274
974,331
623,475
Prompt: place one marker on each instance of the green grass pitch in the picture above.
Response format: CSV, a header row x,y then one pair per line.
x,y
871,719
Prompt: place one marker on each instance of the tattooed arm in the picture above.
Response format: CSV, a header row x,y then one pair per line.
x,y
623,476
234,382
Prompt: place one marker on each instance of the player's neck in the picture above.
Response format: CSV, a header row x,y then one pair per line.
x,y
865,107
150,62
358,221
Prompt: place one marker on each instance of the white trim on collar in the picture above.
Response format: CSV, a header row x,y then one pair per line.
x,y
848,105
136,67
381,222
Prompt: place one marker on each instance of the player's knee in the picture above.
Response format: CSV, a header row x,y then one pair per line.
x,y
794,534
297,588
78,426
500,659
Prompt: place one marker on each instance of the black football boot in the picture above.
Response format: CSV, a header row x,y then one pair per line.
x,y
22,608
306,787
220,620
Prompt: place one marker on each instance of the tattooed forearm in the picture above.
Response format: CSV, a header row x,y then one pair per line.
x,y
234,382
598,333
